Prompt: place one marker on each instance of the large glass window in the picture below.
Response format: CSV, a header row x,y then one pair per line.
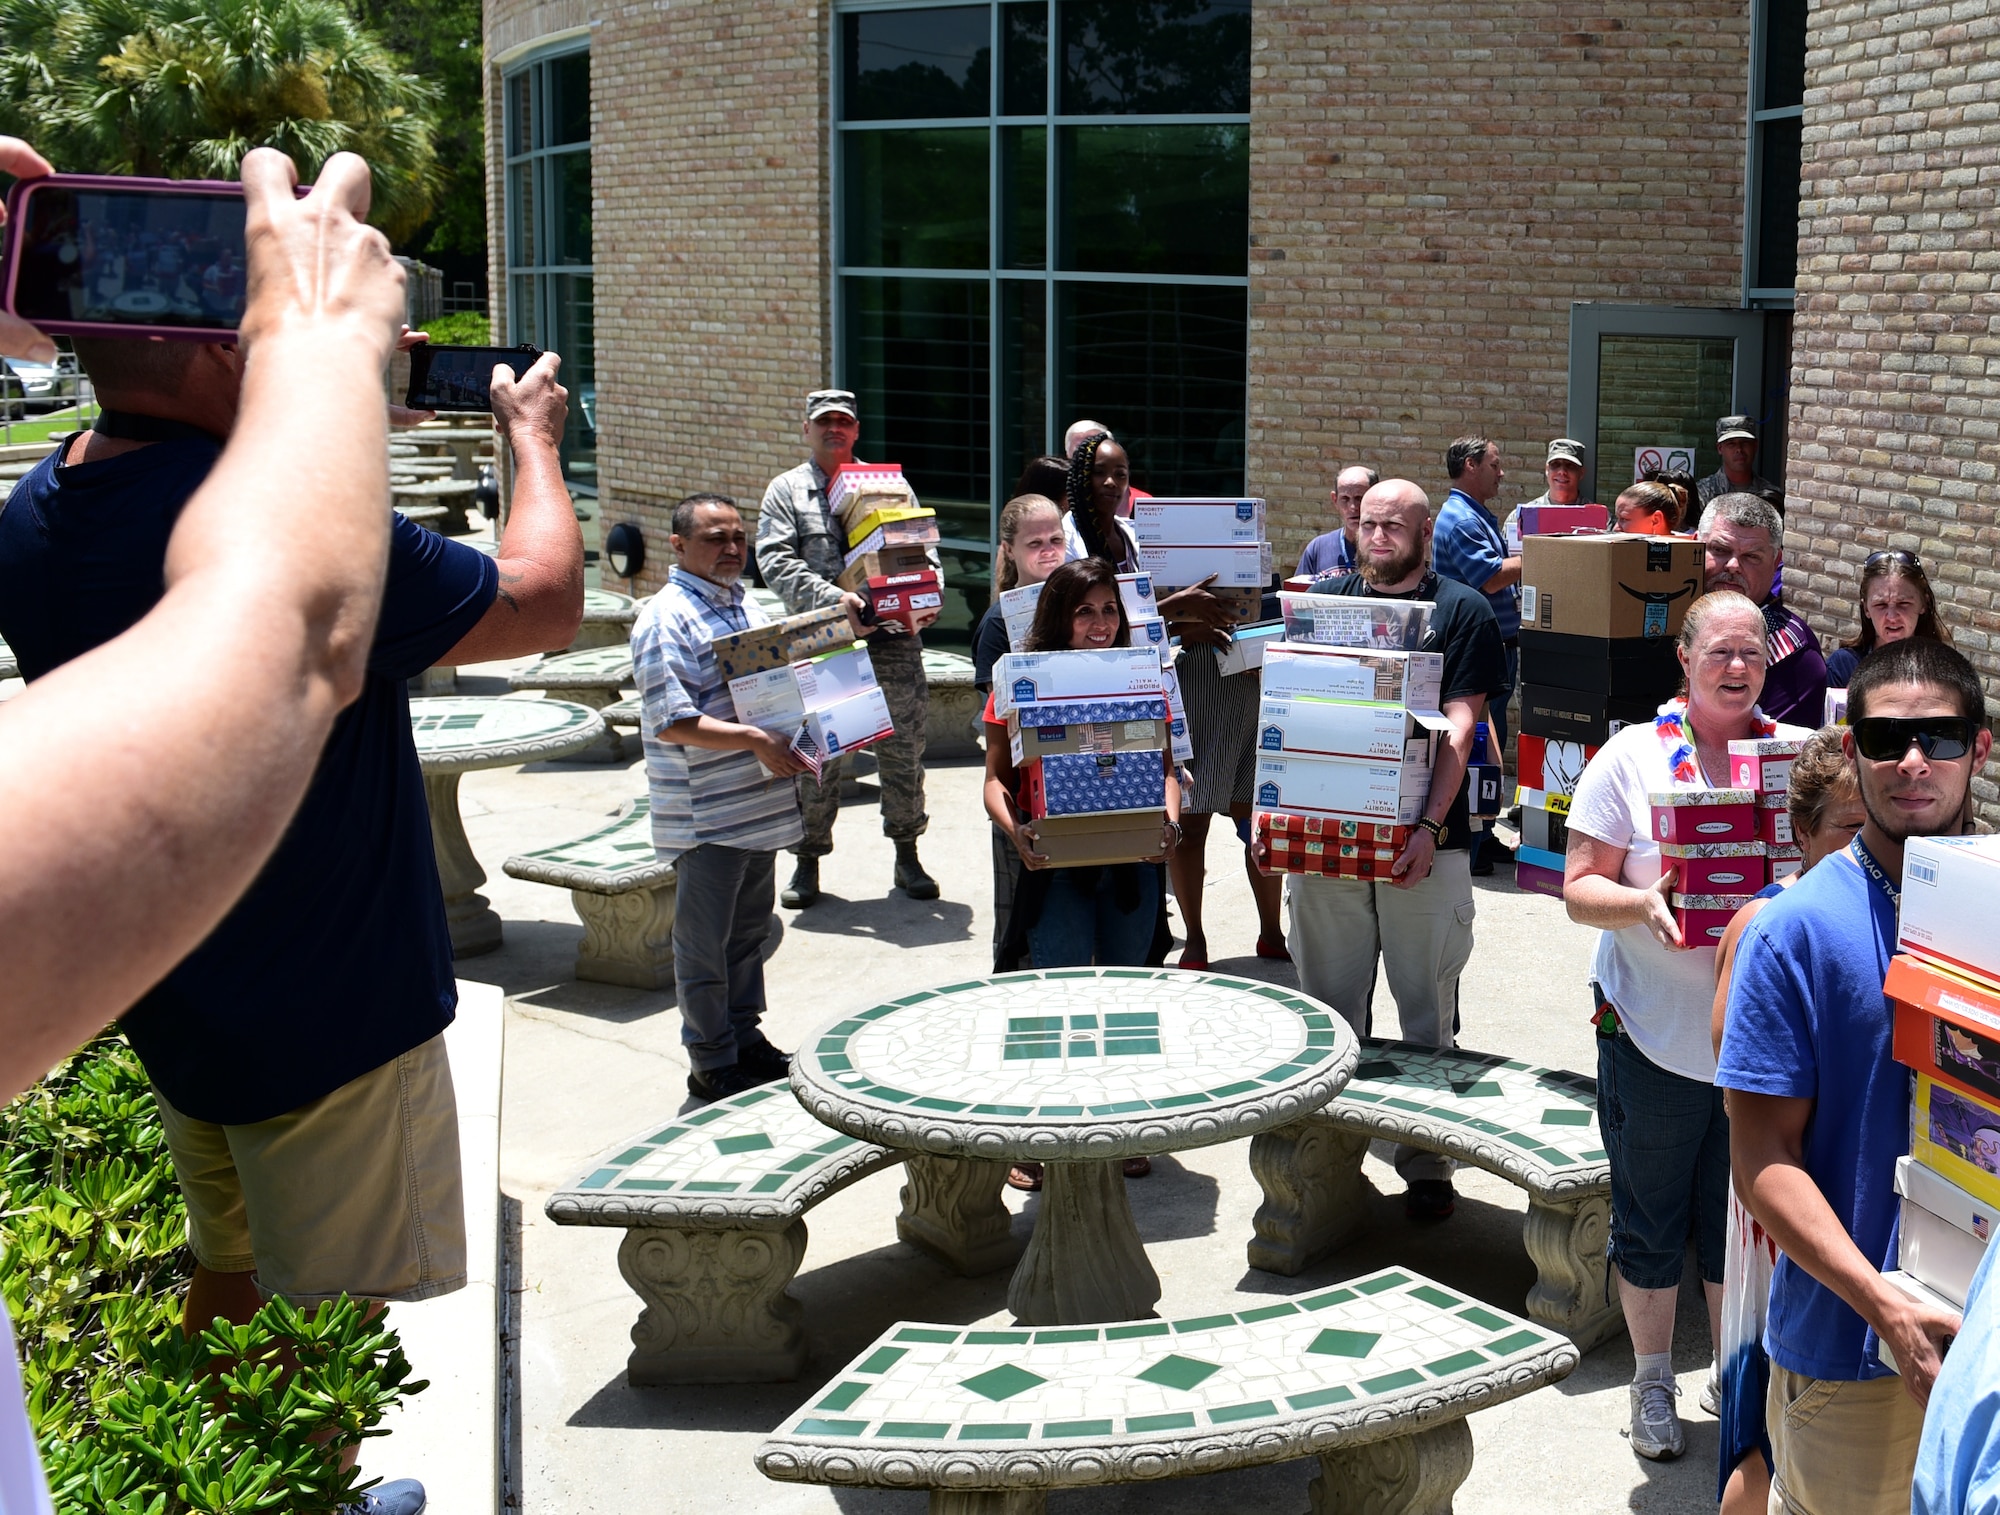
x,y
1777,112
547,132
1044,213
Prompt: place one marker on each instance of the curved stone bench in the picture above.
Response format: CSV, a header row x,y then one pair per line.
x,y
1535,1127
626,714
712,1205
596,676
450,496
623,895
1375,1378
607,620
951,729
431,516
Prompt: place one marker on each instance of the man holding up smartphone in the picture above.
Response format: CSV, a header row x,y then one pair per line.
x,y
297,1052
801,550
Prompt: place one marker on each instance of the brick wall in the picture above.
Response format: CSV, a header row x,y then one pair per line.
x,y
1895,417
709,242
1431,187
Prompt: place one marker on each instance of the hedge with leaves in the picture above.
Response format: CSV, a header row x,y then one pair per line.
x,y
134,1418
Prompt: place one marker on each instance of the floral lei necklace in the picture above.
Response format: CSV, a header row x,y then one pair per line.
x,y
1671,726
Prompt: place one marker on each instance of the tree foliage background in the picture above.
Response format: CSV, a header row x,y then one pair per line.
x,y
184,88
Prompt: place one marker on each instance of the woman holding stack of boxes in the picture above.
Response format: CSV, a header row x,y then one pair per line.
x,y
1664,1127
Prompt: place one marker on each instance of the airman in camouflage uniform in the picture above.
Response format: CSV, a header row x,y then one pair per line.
x,y
801,550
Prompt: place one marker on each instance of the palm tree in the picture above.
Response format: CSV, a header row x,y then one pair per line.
x,y
184,88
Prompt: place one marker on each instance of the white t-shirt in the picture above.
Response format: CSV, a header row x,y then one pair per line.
x,y
1663,998
1073,541
23,1491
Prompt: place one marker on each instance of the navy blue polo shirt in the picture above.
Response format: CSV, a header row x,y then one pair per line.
x,y
337,959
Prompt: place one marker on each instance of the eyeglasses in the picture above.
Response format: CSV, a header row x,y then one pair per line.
x,y
1891,555
1887,739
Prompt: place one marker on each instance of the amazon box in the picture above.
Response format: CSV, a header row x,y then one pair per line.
x,y
1715,867
1586,717
885,564
1350,620
1125,836
1631,667
1292,671
1197,522
1702,918
1616,586
781,643
1684,816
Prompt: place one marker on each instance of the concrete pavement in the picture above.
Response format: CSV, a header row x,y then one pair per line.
x,y
589,1065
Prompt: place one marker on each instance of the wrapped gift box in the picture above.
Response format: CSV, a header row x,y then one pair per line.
x,y
1244,565
1943,1232
1075,841
1347,620
1339,786
1093,783
1702,918
1716,867
1763,764
1957,1137
1703,815
1949,886
1295,672
906,596
1342,728
781,643
1197,522
1109,673
1349,860
1338,828
1027,743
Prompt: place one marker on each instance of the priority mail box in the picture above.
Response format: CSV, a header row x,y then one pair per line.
x,y
1585,716
1957,1137
1946,1026
1342,786
1247,647
1341,728
779,698
762,648
1702,918
1704,815
1136,590
1763,764
1121,836
1107,673
1615,585
1352,620
1180,741
855,721
1017,609
1943,1232
1242,565
1091,783
1949,886
1028,743
1333,673
1715,867
1152,633
1197,522
887,563
1631,667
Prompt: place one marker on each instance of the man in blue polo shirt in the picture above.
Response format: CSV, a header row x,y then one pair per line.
x,y
297,1052
1468,545
1819,1112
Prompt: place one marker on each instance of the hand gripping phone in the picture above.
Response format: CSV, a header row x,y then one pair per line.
x,y
445,377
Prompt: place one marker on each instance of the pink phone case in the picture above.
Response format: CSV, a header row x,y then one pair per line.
x,y
10,264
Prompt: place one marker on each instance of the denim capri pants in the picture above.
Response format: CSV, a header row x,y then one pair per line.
x,y
1667,1139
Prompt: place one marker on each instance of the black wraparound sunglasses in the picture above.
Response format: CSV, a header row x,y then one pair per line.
x,y
1887,739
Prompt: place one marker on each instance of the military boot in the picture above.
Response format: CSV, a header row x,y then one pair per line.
x,y
803,890
910,875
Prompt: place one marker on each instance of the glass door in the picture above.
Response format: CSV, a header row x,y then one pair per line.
x,y
1648,383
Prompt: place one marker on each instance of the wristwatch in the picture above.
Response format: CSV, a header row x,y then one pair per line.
x,y
1178,833
1435,828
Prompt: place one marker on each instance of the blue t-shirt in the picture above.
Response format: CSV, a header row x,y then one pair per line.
x,y
1958,1460
1840,666
1325,554
1808,1020
338,958
1467,545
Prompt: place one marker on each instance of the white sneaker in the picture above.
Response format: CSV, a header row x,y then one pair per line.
x,y
1656,1425
1711,1392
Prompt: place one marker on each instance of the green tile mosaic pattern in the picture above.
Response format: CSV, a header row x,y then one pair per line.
x,y
1546,1114
463,725
1077,1043
1365,1339
756,1144
592,668
623,845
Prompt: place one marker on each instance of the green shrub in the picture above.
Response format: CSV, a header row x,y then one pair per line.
x,y
467,328
133,1418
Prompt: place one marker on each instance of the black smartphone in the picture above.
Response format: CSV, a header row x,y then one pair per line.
x,y
444,377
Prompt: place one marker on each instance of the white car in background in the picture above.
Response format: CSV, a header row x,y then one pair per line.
x,y
31,387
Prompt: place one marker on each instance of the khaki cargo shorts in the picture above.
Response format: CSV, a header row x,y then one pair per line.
x,y
357,1193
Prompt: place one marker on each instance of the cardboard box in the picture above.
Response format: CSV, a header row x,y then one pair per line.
x,y
1537,878
1957,1137
1074,841
1247,647
1631,667
1092,783
1203,522
1918,1290
887,563
1152,633
906,597
1944,1230
1582,716
856,489
856,721
1239,566
1551,766
1703,815
1243,604
1949,886
1617,585
1774,826
1029,743
1017,609
1350,620
1561,520
1341,786
782,643
1342,728
1702,918
1110,673
1946,1026
1763,764
1545,827
886,521
1716,867
1414,679
921,530
779,698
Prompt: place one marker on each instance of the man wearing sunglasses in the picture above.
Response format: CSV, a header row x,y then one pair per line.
x,y
1819,1112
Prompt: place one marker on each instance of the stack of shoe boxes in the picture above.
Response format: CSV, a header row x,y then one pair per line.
x,y
825,705
890,538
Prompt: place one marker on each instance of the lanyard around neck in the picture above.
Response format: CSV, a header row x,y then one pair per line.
x,y
1891,890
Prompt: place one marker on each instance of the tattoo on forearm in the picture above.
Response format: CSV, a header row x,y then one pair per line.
x,y
510,576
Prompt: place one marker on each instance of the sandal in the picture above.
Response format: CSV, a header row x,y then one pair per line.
x,y
1197,964
1026,1177
1277,951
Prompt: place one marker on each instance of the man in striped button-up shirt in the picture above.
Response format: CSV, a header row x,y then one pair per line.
x,y
722,798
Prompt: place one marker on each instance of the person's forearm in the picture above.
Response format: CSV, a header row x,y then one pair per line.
x,y
541,551
1593,900
1789,1205
1509,574
1454,756
706,731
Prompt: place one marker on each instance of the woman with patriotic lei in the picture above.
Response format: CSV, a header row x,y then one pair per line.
x,y
1665,1131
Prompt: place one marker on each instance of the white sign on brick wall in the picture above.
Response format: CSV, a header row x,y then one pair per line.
x,y
1661,455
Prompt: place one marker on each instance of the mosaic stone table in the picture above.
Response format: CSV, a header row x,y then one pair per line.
x,y
458,734
1077,1068
594,677
1374,1377
462,442
607,620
